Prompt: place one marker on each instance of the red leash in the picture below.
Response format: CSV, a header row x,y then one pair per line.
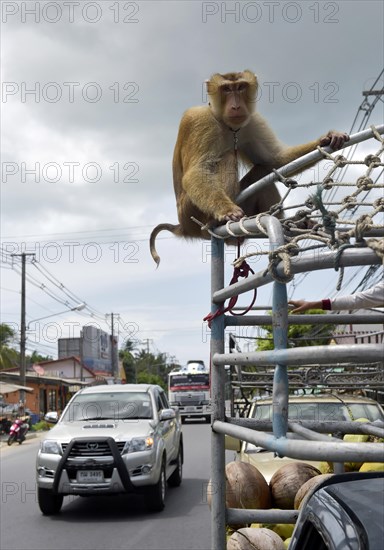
x,y
242,271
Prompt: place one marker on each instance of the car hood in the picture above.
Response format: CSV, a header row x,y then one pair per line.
x,y
120,430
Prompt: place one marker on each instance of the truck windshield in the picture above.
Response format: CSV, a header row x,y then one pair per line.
x,y
109,406
199,381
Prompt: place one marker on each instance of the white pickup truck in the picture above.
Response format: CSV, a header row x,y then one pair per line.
x,y
111,439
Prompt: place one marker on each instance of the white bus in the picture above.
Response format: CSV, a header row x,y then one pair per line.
x,y
189,389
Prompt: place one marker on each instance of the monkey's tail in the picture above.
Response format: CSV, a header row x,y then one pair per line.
x,y
175,229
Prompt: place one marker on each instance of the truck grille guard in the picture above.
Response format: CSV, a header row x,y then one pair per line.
x,y
105,442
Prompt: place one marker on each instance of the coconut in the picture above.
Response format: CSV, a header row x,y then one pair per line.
x,y
246,487
306,490
287,542
284,530
255,539
287,480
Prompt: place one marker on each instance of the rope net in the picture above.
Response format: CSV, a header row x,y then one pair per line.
x,y
333,212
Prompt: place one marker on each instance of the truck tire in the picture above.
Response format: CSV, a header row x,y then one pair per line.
x,y
176,477
49,503
155,494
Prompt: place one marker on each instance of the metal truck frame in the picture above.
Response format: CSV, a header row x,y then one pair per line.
x,y
316,446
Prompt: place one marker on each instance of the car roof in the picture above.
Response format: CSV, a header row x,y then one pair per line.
x,y
319,398
361,495
117,388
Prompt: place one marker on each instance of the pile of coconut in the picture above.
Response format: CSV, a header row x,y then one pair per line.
x,y
289,488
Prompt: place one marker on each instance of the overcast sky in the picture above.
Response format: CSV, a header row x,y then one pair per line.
x,y
92,96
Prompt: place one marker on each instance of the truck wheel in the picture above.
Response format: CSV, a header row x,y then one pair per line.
x,y
49,503
176,477
155,495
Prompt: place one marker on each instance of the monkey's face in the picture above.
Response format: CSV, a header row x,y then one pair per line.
x,y
235,109
232,97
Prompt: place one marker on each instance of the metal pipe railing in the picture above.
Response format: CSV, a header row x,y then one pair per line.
x,y
300,440
218,533
280,333
314,319
349,258
358,353
339,451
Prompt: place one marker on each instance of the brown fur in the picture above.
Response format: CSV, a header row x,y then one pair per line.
x,y
205,166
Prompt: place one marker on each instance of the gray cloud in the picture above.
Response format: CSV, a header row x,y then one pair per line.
x,y
121,89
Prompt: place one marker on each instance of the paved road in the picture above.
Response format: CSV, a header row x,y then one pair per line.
x,y
106,522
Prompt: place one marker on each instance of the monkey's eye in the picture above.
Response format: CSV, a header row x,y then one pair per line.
x,y
242,87
226,89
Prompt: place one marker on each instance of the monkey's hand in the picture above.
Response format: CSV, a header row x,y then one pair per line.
x,y
334,139
234,215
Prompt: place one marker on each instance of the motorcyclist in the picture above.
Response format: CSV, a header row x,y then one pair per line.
x,y
24,427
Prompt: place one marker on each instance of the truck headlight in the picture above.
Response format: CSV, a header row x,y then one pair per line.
x,y
138,444
50,447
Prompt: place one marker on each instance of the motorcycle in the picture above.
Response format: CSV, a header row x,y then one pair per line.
x,y
18,431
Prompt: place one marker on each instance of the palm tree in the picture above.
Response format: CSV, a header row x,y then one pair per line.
x,y
8,356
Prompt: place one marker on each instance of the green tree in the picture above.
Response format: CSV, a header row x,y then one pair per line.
x,y
126,355
142,367
148,378
8,356
7,334
299,335
36,357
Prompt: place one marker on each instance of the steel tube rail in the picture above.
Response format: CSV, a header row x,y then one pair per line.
x,y
350,257
325,426
358,353
302,162
218,529
305,450
310,434
315,319
280,334
250,226
238,516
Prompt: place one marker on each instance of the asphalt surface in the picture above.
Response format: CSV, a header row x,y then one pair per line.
x,y
30,435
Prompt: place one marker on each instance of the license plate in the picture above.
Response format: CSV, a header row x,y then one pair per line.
x,y
90,476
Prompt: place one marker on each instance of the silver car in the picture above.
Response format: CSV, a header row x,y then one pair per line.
x,y
111,439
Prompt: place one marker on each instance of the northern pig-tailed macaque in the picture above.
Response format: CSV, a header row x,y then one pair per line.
x,y
212,142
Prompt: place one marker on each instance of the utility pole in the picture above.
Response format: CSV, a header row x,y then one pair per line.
x,y
147,340
23,336
113,354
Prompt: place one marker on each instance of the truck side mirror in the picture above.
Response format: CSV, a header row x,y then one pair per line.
x,y
52,417
167,414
